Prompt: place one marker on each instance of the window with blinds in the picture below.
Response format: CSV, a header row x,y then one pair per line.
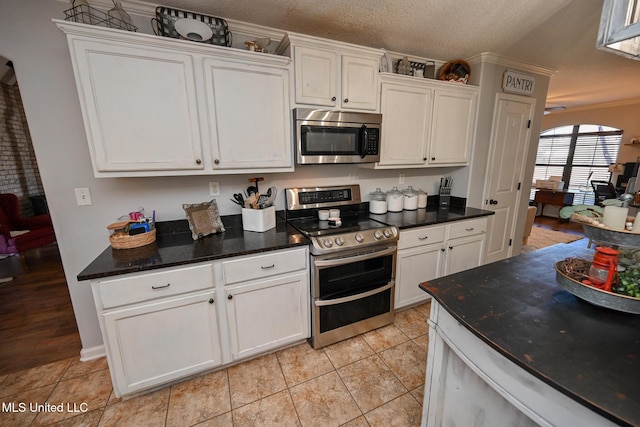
x,y
579,154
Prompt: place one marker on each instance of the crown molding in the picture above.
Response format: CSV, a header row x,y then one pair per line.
x,y
497,59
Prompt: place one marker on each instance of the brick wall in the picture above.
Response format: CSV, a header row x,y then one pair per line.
x,y
18,167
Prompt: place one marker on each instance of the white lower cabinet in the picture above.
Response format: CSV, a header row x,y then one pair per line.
x,y
426,253
267,314
163,341
167,325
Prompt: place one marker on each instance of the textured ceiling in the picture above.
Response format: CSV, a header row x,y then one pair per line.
x,y
559,34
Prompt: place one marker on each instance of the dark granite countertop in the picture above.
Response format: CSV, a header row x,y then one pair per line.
x,y
589,353
174,246
429,216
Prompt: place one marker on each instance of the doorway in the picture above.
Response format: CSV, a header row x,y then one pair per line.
x,y
37,322
510,136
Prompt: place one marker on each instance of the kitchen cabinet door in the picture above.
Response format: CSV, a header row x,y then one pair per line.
x,y
155,343
406,112
453,125
414,266
360,88
267,314
316,76
139,107
464,253
249,116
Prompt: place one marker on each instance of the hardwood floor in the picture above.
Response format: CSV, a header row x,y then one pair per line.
x,y
37,323
558,225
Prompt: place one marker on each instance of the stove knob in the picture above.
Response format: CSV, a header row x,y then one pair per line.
x,y
359,238
339,241
388,232
377,234
327,243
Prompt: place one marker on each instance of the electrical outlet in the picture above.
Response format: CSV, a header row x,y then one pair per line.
x,y
83,197
214,188
401,179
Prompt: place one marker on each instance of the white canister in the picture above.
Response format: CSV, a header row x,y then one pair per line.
x,y
334,213
410,202
395,200
615,217
378,203
422,199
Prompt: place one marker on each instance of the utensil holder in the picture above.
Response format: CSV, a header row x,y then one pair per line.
x,y
259,220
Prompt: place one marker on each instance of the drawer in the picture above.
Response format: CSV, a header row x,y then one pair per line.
x,y
421,236
467,228
143,287
255,267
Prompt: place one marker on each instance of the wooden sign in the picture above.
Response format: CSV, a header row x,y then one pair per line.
x,y
515,82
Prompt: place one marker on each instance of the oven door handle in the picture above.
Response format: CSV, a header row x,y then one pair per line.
x,y
321,303
334,262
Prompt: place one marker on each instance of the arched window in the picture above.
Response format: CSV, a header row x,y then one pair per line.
x,y
579,154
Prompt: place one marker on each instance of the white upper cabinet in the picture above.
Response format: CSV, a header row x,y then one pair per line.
x,y
247,112
426,122
453,125
139,106
332,74
159,106
406,126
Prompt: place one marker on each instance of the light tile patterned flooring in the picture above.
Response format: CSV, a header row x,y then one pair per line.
x,y
373,379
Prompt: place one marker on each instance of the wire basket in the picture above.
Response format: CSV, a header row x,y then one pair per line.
x,y
166,19
89,15
124,241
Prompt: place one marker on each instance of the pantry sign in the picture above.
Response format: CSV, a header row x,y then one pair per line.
x,y
515,82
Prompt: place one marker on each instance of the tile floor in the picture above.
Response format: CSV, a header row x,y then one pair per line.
x,y
374,379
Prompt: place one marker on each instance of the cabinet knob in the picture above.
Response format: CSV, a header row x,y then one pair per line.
x,y
442,249
450,247
424,159
216,161
229,296
198,161
211,301
433,158
346,100
333,98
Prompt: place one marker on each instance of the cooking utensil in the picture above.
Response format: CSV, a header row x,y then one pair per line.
x,y
255,181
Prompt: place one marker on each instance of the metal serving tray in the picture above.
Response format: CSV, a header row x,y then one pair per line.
x,y
597,296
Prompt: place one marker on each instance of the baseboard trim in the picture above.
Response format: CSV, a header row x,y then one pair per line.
x,y
87,354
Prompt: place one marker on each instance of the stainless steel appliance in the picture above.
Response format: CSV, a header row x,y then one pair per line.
x,y
324,136
352,265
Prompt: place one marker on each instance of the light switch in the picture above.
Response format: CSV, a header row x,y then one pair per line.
x,y
83,197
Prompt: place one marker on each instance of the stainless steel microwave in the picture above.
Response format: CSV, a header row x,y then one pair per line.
x,y
326,136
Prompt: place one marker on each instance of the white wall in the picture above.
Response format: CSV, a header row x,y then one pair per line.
x,y
45,77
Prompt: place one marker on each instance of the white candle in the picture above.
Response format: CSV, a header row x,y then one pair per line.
x,y
615,217
636,224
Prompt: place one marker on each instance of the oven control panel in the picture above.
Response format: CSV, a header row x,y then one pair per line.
x,y
344,241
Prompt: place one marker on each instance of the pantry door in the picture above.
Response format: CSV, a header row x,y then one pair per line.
x,y
504,188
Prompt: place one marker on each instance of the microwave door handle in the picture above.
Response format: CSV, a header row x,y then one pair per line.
x,y
364,137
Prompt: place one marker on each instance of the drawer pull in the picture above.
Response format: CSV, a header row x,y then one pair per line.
x,y
160,287
469,229
268,267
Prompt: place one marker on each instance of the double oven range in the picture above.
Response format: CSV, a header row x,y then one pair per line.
x,y
352,264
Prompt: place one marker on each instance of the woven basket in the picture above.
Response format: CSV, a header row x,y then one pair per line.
x,y
124,241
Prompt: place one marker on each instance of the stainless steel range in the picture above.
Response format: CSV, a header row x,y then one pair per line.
x,y
352,262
